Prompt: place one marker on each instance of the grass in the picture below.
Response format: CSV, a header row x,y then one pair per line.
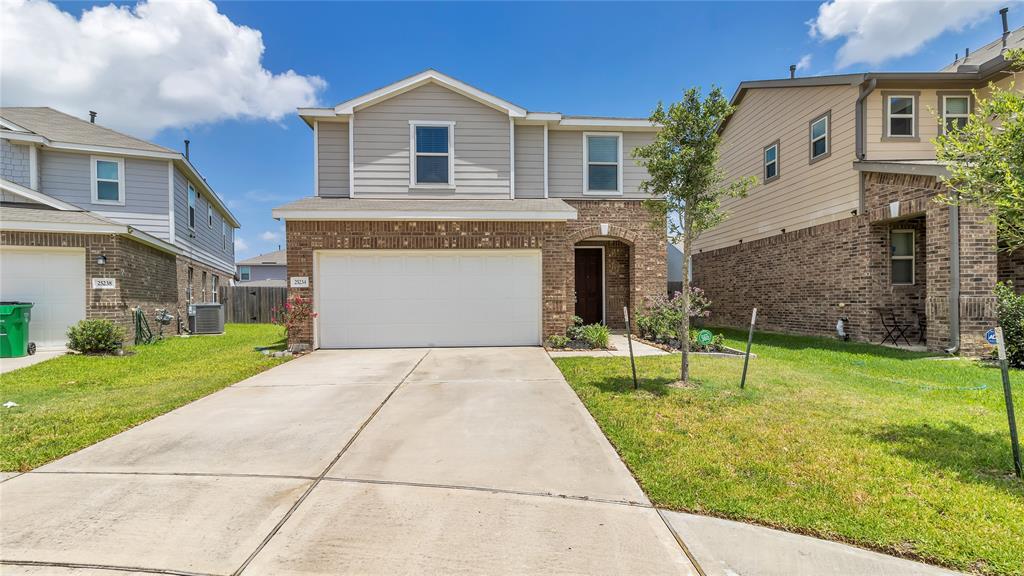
x,y
852,442
72,401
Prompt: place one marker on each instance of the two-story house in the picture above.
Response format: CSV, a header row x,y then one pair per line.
x,y
94,223
843,224
270,269
442,215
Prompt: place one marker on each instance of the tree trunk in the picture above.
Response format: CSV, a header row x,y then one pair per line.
x,y
684,330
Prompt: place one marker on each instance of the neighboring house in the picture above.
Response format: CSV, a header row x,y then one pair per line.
x,y
842,224
270,269
94,223
446,216
675,269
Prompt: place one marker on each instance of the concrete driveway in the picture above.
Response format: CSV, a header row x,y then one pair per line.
x,y
444,461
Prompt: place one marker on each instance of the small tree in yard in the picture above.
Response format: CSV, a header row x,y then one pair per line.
x,y
295,312
684,182
985,159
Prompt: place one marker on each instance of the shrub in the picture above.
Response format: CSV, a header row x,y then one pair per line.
x,y
1010,313
717,343
663,315
95,337
296,311
575,329
557,341
595,334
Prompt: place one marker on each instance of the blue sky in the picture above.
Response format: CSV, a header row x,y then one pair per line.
x,y
603,59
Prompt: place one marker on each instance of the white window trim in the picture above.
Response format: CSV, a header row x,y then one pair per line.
x,y
240,273
450,125
912,257
209,214
223,235
890,116
587,163
190,206
824,137
946,116
765,162
120,180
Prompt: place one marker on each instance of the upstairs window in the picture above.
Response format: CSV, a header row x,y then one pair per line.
x,y
191,207
224,235
771,162
901,247
955,110
107,181
209,214
604,163
901,117
820,145
244,273
432,161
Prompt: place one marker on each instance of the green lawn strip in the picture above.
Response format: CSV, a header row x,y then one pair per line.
x,y
73,401
878,447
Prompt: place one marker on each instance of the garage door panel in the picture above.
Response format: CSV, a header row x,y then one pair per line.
x,y
53,280
428,298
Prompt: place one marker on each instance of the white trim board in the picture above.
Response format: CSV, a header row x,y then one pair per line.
x,y
426,77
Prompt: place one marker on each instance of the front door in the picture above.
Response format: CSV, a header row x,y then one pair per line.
x,y
589,285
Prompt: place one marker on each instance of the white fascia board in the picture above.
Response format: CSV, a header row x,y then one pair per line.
x,y
418,215
83,228
153,241
427,76
608,123
35,196
111,150
5,123
311,115
544,116
23,137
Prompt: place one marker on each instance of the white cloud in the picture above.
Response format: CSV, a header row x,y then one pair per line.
x,y
804,63
878,30
270,236
155,65
241,245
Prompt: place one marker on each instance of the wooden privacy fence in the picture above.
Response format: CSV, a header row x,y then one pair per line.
x,y
254,305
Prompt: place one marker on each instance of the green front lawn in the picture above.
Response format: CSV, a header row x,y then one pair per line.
x,y
851,442
70,402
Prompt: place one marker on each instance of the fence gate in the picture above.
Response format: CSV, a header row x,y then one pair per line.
x,y
254,305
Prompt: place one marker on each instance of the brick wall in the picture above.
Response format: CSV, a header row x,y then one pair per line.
x,y
145,276
181,285
1011,269
805,280
642,251
616,280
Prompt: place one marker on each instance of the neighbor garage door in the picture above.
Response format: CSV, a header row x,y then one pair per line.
x,y
51,278
379,298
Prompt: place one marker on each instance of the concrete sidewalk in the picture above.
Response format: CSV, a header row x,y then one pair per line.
x,y
727,548
449,461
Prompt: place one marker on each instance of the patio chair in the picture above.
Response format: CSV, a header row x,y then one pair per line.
x,y
900,329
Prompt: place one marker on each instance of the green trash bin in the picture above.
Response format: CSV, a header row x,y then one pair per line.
x,y
14,320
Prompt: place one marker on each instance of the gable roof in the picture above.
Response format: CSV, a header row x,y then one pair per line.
x,y
988,52
429,77
277,258
56,125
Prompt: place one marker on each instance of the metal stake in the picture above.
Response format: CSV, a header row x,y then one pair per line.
x,y
629,339
750,339
1008,395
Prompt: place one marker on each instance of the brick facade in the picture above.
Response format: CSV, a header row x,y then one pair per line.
x,y
145,276
627,221
200,292
804,281
1011,269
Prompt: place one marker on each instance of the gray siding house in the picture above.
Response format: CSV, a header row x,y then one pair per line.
x,y
127,222
270,269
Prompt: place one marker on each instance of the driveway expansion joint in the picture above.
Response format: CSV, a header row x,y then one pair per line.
x,y
682,544
323,474
112,568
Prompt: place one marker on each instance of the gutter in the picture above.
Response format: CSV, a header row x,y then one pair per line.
x,y
954,279
859,116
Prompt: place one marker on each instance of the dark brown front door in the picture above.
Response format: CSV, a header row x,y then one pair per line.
x,y
589,292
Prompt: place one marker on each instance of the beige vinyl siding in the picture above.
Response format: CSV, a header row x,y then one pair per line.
x,y
565,164
805,194
917,148
332,159
529,161
482,140
1003,82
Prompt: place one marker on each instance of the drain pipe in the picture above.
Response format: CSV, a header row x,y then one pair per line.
x,y
859,115
954,279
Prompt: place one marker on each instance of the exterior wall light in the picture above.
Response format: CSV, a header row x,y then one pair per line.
x,y
101,259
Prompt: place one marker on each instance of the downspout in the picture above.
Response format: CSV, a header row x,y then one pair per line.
x,y
954,279
859,116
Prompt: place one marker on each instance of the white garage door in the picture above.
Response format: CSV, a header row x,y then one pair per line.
x,y
387,298
51,278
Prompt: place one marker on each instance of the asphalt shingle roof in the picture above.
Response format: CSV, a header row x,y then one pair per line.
x,y
278,257
61,127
